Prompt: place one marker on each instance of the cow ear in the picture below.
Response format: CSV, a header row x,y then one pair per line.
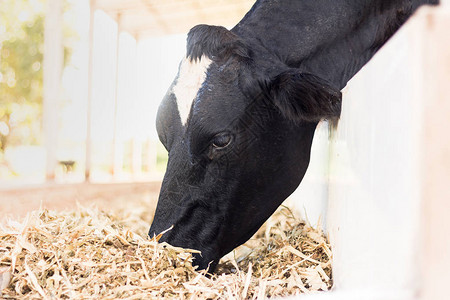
x,y
304,97
216,42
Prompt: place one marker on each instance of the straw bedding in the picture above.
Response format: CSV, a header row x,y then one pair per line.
x,y
90,254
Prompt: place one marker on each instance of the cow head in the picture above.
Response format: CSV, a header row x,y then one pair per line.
x,y
238,126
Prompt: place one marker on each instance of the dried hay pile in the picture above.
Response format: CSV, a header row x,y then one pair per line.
x,y
89,254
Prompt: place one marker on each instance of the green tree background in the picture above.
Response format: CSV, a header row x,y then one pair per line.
x,y
21,75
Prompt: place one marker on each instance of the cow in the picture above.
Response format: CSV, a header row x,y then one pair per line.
x,y
238,120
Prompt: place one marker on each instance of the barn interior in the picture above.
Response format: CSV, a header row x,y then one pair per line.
x,y
377,183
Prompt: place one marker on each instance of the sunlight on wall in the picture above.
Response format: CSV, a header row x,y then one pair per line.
x,y
146,70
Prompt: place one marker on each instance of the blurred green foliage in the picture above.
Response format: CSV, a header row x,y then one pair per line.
x,y
21,75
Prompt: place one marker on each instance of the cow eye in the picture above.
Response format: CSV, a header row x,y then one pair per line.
x,y
221,140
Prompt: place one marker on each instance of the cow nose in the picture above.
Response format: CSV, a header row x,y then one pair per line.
x,y
155,231
152,232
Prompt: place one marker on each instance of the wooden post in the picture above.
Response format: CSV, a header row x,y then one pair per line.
x,y
116,165
88,162
53,64
435,161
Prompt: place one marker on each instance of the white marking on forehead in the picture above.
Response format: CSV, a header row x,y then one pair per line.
x,y
190,78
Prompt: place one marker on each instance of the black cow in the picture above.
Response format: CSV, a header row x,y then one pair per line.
x,y
239,119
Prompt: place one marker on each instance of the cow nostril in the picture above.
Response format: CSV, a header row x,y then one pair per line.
x,y
158,234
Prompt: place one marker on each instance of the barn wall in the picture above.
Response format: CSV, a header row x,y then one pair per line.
x,y
435,160
374,191
381,179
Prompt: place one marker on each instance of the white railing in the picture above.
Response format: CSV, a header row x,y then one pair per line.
x,y
385,178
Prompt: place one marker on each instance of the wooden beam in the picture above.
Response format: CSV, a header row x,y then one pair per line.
x,y
117,157
149,7
154,18
88,161
53,64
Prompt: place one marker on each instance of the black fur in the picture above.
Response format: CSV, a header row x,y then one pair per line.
x,y
216,42
303,97
273,78
331,39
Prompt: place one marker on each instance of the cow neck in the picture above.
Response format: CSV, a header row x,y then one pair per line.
x,y
331,39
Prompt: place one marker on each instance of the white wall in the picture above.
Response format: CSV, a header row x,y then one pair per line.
x,y
374,196
381,180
